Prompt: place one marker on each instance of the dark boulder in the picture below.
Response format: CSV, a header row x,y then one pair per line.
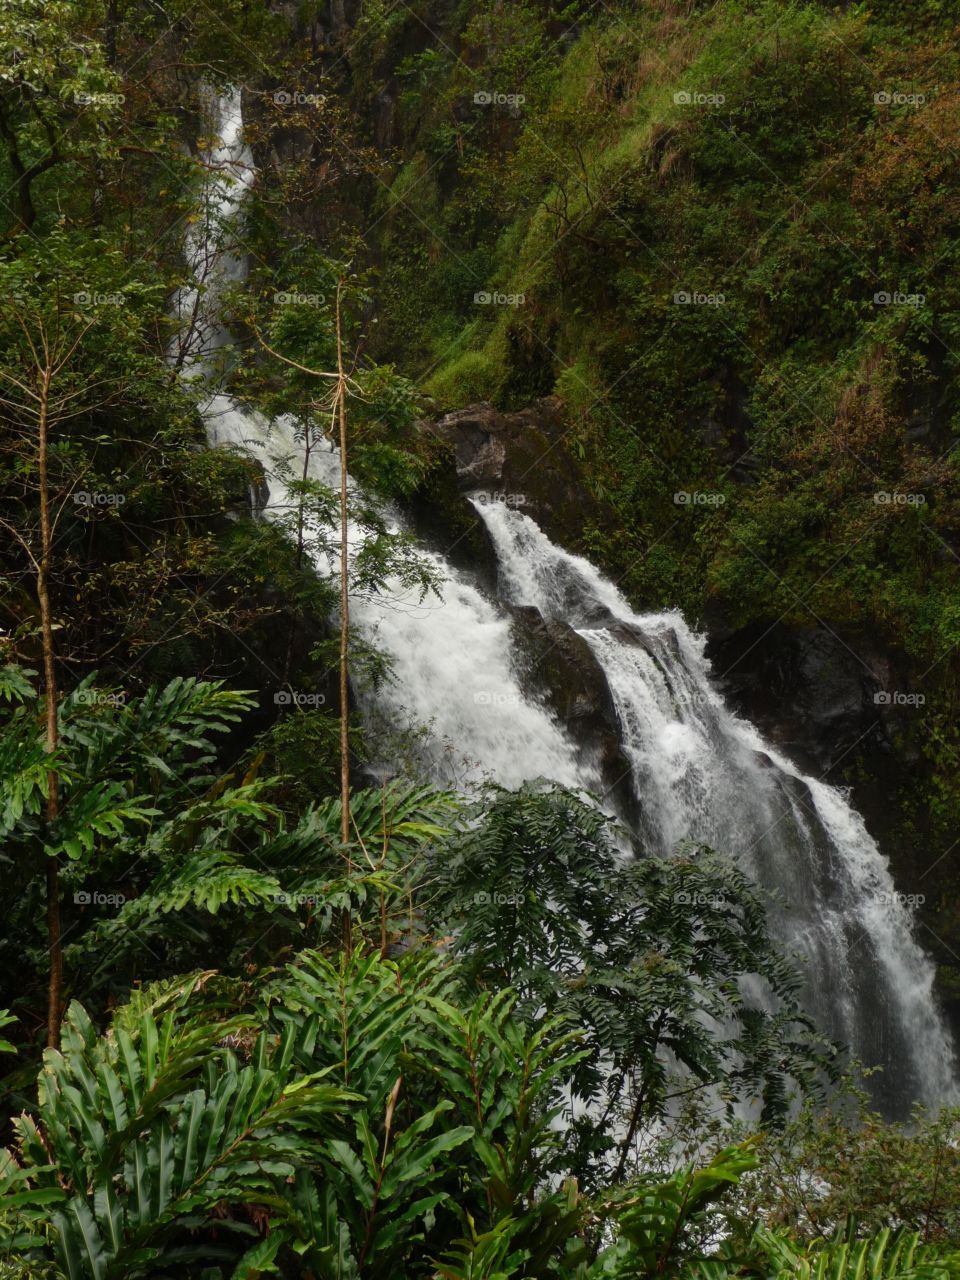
x,y
560,668
816,694
521,457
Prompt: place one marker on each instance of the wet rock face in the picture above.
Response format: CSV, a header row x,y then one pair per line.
x,y
479,449
384,119
517,456
826,701
811,691
839,706
561,668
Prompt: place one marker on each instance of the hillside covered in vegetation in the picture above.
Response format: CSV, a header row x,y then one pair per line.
x,y
727,233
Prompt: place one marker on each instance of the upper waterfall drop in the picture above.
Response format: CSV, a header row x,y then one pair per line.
x,y
451,653
697,770
210,248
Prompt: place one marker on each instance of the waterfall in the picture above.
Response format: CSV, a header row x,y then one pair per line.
x,y
697,770
702,773
451,653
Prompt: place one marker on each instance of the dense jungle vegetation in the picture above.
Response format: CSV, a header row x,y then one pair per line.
x,y
259,1018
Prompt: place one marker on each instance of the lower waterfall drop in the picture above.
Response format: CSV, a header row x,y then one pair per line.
x,y
702,773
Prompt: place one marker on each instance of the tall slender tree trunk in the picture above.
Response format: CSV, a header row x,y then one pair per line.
x,y
338,410
338,17
54,941
637,1114
344,623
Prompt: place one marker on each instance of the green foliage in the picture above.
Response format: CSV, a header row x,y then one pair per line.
x,y
388,1180
661,1225
414,1095
403,1114
358,1115
794,161
482,1256
307,1129
143,1137
844,1164
15,683
5,1020
882,1257
165,852
645,955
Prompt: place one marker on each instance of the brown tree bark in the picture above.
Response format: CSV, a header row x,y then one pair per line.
x,y
54,939
344,622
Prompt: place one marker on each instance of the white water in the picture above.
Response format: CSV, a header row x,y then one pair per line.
x,y
698,771
480,722
450,653
702,773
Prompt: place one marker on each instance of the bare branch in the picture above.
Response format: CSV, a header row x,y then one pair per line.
x,y
314,373
23,542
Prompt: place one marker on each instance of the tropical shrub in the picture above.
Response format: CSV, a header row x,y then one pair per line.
x,y
645,955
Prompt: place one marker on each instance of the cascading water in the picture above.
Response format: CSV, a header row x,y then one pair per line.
x,y
697,770
702,773
451,652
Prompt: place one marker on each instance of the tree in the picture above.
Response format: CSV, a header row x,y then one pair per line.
x,y
168,858
97,770
337,405
343,388
67,352
56,88
208,1120
838,1164
330,1126
646,955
